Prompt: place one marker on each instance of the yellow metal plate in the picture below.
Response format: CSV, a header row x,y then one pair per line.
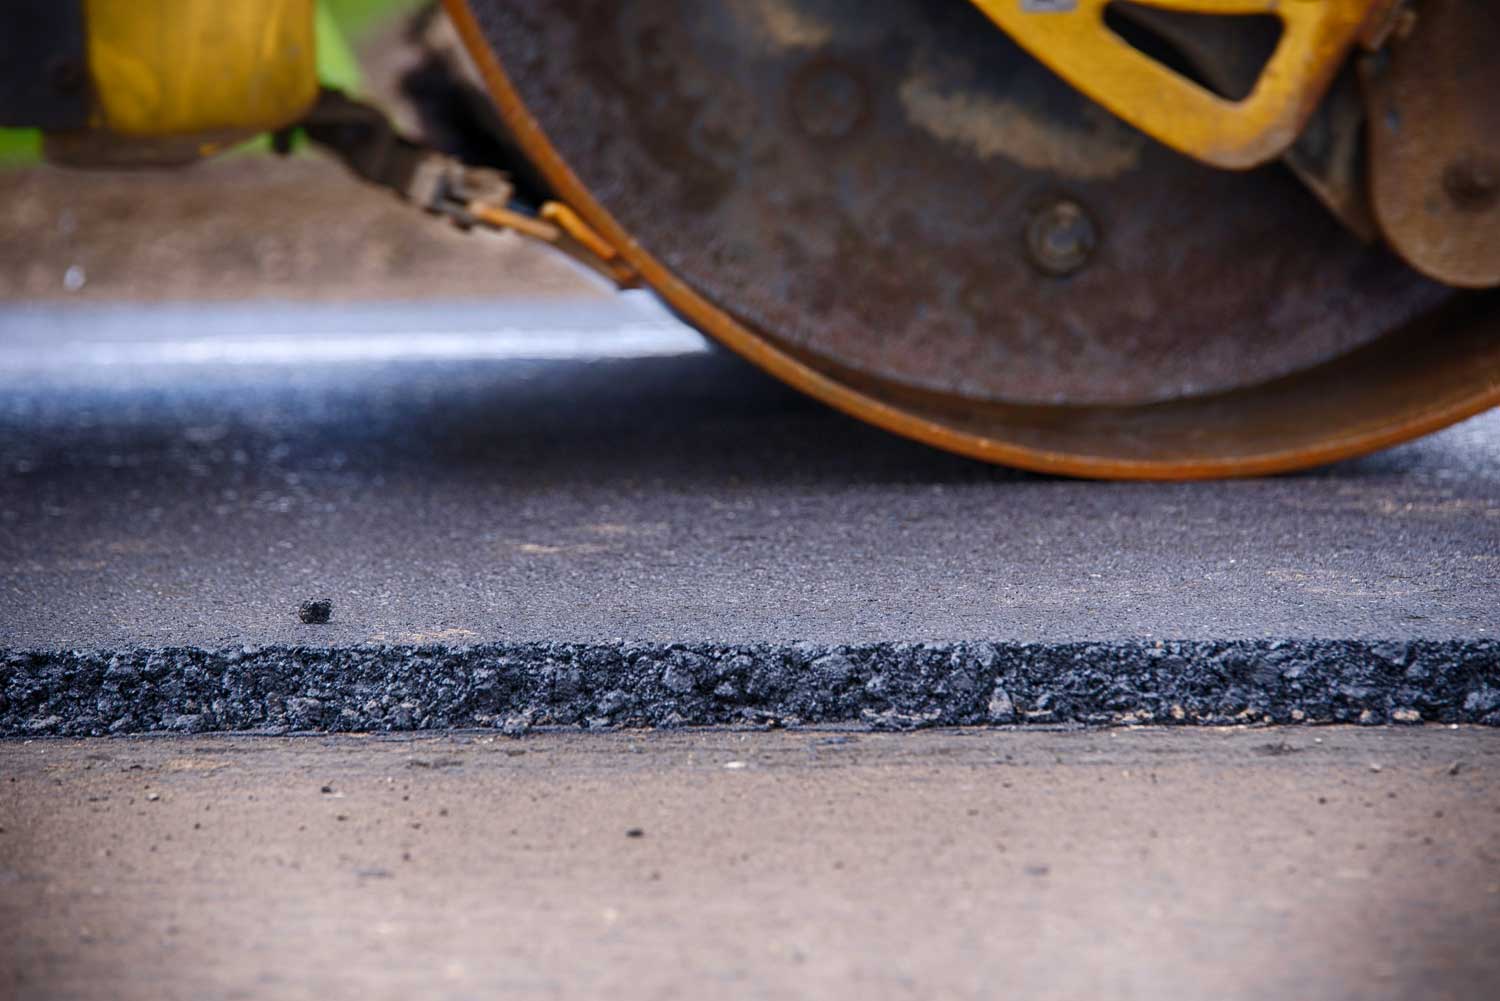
x,y
1071,37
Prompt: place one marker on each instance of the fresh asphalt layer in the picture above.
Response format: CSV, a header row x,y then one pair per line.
x,y
576,512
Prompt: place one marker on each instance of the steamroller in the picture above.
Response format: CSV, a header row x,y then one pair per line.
x,y
1163,239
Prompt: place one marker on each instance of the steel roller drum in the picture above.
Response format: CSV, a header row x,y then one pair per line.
x,y
849,194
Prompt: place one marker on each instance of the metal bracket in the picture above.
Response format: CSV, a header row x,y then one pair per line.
x,y
1434,138
365,141
1071,37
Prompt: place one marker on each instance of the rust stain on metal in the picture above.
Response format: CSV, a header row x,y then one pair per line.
x,y
996,126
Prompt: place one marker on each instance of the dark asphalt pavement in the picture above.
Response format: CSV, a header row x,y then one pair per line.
x,y
507,474
197,500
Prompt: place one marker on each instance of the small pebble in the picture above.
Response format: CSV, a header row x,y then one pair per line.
x,y
315,611
635,832
152,797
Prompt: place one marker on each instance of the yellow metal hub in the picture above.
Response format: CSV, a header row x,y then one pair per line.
x,y
1071,37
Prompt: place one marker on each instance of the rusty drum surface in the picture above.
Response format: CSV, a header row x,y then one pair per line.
x,y
894,208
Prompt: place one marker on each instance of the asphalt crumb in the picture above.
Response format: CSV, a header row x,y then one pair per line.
x,y
315,611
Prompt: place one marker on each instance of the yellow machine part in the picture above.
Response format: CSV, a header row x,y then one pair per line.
x,y
182,67
1070,36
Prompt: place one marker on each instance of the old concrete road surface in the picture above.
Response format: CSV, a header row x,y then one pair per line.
x,y
1149,863
575,512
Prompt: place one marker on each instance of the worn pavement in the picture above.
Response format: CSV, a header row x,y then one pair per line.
x,y
1152,863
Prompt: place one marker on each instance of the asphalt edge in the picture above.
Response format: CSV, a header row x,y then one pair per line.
x,y
515,686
